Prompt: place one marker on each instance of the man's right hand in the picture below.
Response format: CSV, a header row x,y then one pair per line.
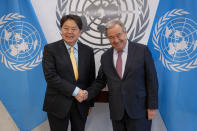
x,y
81,95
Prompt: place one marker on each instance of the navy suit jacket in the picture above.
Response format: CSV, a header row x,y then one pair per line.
x,y
136,91
60,77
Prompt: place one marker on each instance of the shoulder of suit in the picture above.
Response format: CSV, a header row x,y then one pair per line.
x,y
138,45
55,44
84,46
107,53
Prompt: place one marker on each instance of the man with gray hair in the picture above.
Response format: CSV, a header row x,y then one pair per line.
x,y
129,72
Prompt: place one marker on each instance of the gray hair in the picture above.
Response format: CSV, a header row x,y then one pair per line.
x,y
110,24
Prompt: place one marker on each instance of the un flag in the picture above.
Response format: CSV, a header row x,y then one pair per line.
x,y
22,84
173,43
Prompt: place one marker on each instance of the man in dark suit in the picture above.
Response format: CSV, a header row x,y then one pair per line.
x,y
129,72
69,68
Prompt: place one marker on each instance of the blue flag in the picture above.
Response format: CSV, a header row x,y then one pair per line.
x,y
173,43
22,84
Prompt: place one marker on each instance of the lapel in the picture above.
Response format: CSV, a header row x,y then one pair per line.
x,y
81,57
130,58
66,58
111,61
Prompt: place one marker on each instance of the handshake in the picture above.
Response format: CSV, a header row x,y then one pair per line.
x,y
81,96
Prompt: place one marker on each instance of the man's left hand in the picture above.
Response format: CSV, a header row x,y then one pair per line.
x,y
151,113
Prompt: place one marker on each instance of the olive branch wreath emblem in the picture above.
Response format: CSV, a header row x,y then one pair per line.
x,y
138,31
156,34
142,22
12,65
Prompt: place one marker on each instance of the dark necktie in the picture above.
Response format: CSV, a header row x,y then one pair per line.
x,y
119,64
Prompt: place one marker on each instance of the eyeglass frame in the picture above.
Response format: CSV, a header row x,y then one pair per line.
x,y
119,35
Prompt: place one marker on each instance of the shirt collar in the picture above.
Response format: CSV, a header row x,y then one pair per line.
x,y
125,49
68,46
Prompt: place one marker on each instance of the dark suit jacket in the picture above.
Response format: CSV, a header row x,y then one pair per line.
x,y
136,91
60,78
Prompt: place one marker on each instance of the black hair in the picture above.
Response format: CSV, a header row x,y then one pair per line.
x,y
75,18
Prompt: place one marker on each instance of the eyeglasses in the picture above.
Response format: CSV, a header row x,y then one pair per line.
x,y
119,35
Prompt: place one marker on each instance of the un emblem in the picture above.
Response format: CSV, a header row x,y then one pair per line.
x,y
20,43
95,13
175,37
